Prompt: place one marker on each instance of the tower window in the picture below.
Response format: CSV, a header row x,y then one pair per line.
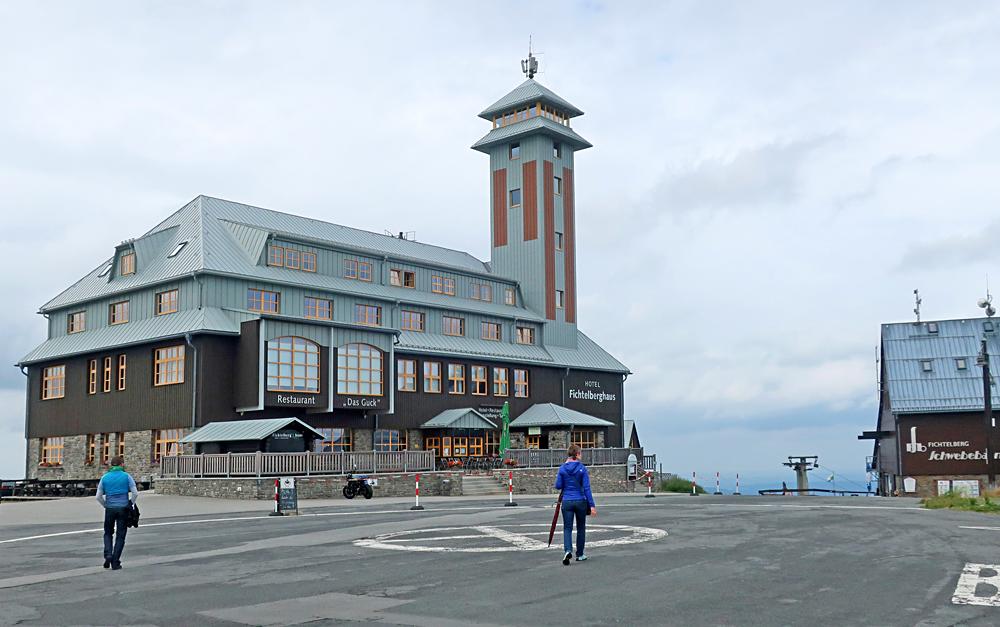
x,y
515,197
560,299
559,240
558,185
515,151
556,150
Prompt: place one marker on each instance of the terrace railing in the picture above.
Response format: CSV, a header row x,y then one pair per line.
x,y
550,458
282,464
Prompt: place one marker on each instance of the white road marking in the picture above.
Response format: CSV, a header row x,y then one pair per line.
x,y
980,528
263,517
972,576
514,538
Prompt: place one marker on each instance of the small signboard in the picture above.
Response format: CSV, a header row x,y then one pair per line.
x,y
534,431
288,498
964,487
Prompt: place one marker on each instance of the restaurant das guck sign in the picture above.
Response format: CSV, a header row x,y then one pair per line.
x,y
951,446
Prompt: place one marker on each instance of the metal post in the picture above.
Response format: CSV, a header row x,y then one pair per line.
x,y
984,361
694,484
510,489
737,492
718,485
649,484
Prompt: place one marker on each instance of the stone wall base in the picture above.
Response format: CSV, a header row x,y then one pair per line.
x,y
397,484
542,480
927,485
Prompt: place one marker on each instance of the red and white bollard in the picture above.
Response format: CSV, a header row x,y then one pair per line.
x,y
277,502
718,486
737,492
510,489
649,485
694,484
416,495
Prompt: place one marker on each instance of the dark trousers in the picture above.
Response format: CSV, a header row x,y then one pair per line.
x,y
577,510
115,519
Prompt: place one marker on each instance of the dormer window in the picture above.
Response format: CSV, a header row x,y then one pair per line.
x,y
988,326
127,264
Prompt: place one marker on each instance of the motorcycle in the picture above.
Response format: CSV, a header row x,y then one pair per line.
x,y
358,484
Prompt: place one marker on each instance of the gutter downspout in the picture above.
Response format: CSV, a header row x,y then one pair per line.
x,y
194,382
27,405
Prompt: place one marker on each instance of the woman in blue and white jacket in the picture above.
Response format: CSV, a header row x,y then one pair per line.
x,y
577,502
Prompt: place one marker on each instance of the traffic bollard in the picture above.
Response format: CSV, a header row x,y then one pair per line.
x,y
649,485
277,502
718,486
694,484
510,489
737,492
416,495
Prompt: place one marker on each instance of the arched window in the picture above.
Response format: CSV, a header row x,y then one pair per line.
x,y
292,365
359,370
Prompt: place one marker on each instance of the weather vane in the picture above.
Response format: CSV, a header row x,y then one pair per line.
x,y
530,65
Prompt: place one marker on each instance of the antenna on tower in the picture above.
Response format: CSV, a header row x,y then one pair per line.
x,y
530,65
918,300
987,303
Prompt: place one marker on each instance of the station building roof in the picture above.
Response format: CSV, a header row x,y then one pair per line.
x,y
931,366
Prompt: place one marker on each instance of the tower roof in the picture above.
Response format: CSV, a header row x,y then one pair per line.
x,y
527,92
533,125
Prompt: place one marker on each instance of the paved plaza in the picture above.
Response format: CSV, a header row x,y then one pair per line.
x,y
666,561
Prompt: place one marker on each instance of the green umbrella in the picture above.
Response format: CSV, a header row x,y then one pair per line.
x,y
505,430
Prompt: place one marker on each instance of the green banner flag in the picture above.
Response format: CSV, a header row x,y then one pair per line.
x,y
505,429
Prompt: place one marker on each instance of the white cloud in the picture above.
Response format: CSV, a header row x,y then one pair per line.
x,y
768,183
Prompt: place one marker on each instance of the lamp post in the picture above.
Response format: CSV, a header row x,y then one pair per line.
x,y
984,360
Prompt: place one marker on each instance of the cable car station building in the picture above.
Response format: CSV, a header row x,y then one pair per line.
x,y
932,433
225,311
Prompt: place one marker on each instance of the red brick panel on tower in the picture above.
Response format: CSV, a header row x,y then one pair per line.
x,y
530,200
569,245
550,243
499,208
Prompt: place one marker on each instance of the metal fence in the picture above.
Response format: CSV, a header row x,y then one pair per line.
x,y
550,458
274,464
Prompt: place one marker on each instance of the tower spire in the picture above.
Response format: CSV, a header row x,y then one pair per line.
x,y
530,65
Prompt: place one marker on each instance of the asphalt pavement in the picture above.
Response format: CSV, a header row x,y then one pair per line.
x,y
663,561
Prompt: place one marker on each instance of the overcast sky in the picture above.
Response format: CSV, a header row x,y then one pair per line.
x,y
768,183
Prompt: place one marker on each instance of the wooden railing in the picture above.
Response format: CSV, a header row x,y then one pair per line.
x,y
550,458
277,464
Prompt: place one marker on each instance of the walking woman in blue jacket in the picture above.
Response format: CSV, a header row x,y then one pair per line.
x,y
577,502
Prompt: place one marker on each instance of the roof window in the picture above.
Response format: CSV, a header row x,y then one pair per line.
x,y
105,271
926,365
932,327
177,249
961,363
988,326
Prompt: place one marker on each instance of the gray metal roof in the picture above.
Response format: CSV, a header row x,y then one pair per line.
x,y
527,92
588,355
243,430
552,415
513,131
206,320
463,418
905,346
222,236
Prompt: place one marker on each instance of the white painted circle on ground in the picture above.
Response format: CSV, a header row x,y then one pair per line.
x,y
501,538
